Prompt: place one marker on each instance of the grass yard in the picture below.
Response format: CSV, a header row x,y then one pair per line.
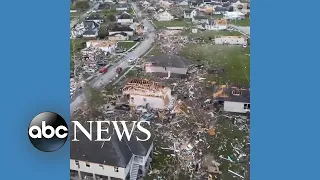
x,y
243,22
126,45
234,59
174,23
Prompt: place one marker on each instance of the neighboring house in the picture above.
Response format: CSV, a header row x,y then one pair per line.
x,y
87,29
200,20
104,6
122,7
114,159
232,40
142,92
216,24
220,10
241,7
119,29
163,16
234,15
234,99
138,28
95,18
167,65
125,18
122,36
108,47
190,13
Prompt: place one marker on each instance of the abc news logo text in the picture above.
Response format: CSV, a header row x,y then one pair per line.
x,y
48,131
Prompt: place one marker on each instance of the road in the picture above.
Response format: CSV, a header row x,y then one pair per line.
x,y
104,79
83,16
243,29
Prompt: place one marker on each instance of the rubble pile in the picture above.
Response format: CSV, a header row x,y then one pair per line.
x,y
170,41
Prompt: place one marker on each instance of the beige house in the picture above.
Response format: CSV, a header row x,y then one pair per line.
x,y
230,40
142,92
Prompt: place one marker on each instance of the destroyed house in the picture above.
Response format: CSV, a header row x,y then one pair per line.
x,y
167,65
142,92
234,99
112,159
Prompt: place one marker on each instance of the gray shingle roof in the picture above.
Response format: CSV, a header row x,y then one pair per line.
x,y
169,61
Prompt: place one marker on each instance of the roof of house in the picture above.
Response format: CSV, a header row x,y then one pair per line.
x,y
232,93
220,9
90,25
169,61
120,28
121,6
120,33
90,32
114,152
94,17
125,15
200,17
104,6
188,11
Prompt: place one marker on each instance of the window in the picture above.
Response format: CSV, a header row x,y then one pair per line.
x,y
236,92
87,164
77,164
116,169
246,106
101,166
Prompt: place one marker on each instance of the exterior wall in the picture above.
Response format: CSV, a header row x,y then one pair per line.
x,y
125,21
216,28
230,40
118,38
164,17
237,107
97,169
130,33
151,69
187,16
154,102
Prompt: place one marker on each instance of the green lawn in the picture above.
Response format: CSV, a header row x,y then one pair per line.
x,y
126,45
243,22
75,46
234,59
174,23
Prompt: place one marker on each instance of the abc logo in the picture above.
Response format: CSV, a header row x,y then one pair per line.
x,y
48,131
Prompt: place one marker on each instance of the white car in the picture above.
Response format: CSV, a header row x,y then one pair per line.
x,y
132,59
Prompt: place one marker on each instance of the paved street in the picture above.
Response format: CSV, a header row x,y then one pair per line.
x,y
243,29
104,79
82,17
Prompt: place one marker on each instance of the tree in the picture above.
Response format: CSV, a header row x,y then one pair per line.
x,y
111,17
82,5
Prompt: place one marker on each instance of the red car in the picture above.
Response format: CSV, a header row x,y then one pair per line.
x,y
103,70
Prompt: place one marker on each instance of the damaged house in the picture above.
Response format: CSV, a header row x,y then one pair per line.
x,y
167,65
142,92
114,159
234,99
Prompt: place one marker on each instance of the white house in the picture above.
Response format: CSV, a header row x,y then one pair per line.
x,y
200,20
142,92
163,16
108,47
190,13
232,40
122,36
87,29
234,15
216,25
125,18
119,29
234,99
112,159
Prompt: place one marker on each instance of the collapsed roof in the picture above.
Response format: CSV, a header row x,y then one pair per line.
x,y
169,61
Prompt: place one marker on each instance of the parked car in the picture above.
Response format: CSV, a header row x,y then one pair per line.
x,y
132,59
103,70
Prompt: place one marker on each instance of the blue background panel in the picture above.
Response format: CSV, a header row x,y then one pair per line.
x,y
285,83
35,78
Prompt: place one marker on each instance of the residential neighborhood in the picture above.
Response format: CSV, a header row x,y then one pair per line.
x,y
181,65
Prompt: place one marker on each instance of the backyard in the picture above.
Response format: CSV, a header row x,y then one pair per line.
x,y
242,22
234,60
174,23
